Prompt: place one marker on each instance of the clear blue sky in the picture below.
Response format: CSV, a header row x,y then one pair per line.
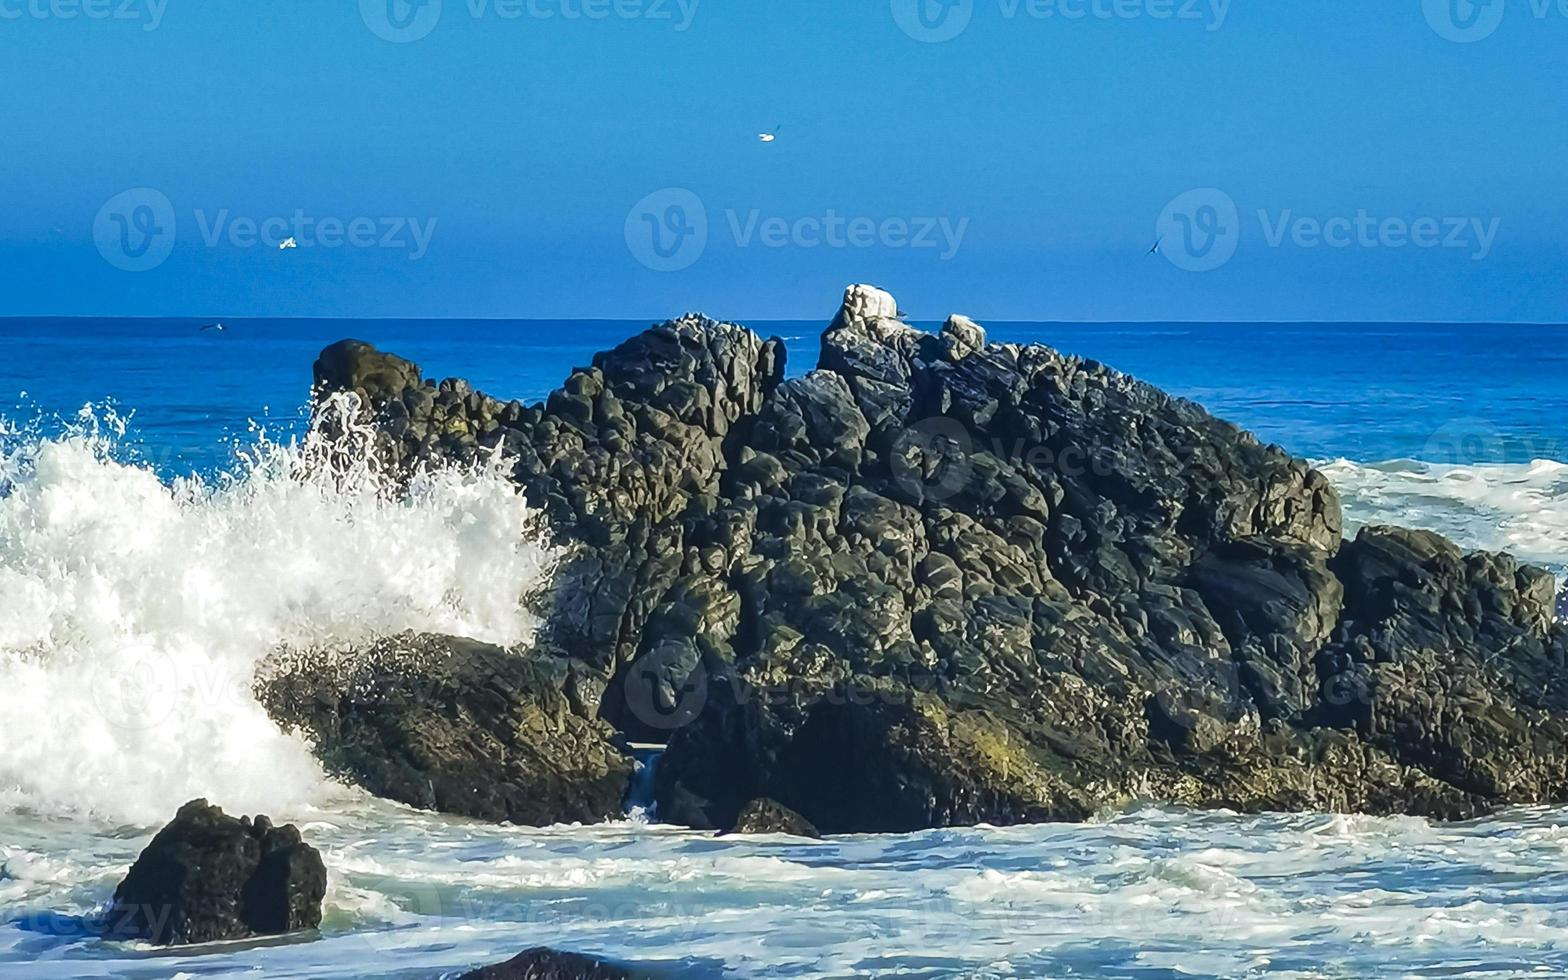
x,y
1049,145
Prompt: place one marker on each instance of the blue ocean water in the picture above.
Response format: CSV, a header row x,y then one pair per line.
x,y
1467,393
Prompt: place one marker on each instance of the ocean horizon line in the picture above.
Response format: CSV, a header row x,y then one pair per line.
x,y
29,317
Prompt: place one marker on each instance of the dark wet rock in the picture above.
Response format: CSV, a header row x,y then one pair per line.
x,y
765,816
1453,662
353,365
208,876
547,964
457,726
939,580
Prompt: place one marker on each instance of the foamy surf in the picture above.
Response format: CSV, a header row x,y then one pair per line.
x,y
1519,508
136,610
1139,895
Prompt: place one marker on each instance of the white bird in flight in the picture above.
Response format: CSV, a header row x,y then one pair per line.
x,y
288,242
770,137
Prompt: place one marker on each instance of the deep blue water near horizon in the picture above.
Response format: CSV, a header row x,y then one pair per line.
x,y
1451,393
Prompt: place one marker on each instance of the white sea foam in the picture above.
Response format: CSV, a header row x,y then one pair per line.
x,y
1518,508
135,611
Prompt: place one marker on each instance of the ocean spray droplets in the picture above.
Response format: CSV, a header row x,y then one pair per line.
x,y
137,611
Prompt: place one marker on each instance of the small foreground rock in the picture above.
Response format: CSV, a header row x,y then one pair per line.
x,y
208,876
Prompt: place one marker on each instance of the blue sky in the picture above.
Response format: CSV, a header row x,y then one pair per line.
x,y
1016,159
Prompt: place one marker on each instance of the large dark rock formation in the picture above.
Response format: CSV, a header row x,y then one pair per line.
x,y
941,581
458,726
207,876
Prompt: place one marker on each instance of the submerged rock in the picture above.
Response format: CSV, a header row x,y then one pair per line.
x,y
940,580
457,726
547,964
765,816
207,876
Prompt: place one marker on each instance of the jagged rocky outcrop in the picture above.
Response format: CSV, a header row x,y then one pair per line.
x,y
458,726
208,876
939,580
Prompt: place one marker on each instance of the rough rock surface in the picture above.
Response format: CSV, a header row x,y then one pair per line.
x,y
939,580
208,876
547,964
765,816
459,726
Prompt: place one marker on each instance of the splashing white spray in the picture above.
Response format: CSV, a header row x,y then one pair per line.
x,y
133,612
1518,508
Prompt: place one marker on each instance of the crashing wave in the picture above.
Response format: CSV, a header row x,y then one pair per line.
x,y
136,610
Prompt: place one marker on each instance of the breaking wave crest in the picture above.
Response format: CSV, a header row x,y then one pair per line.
x,y
1521,508
134,610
